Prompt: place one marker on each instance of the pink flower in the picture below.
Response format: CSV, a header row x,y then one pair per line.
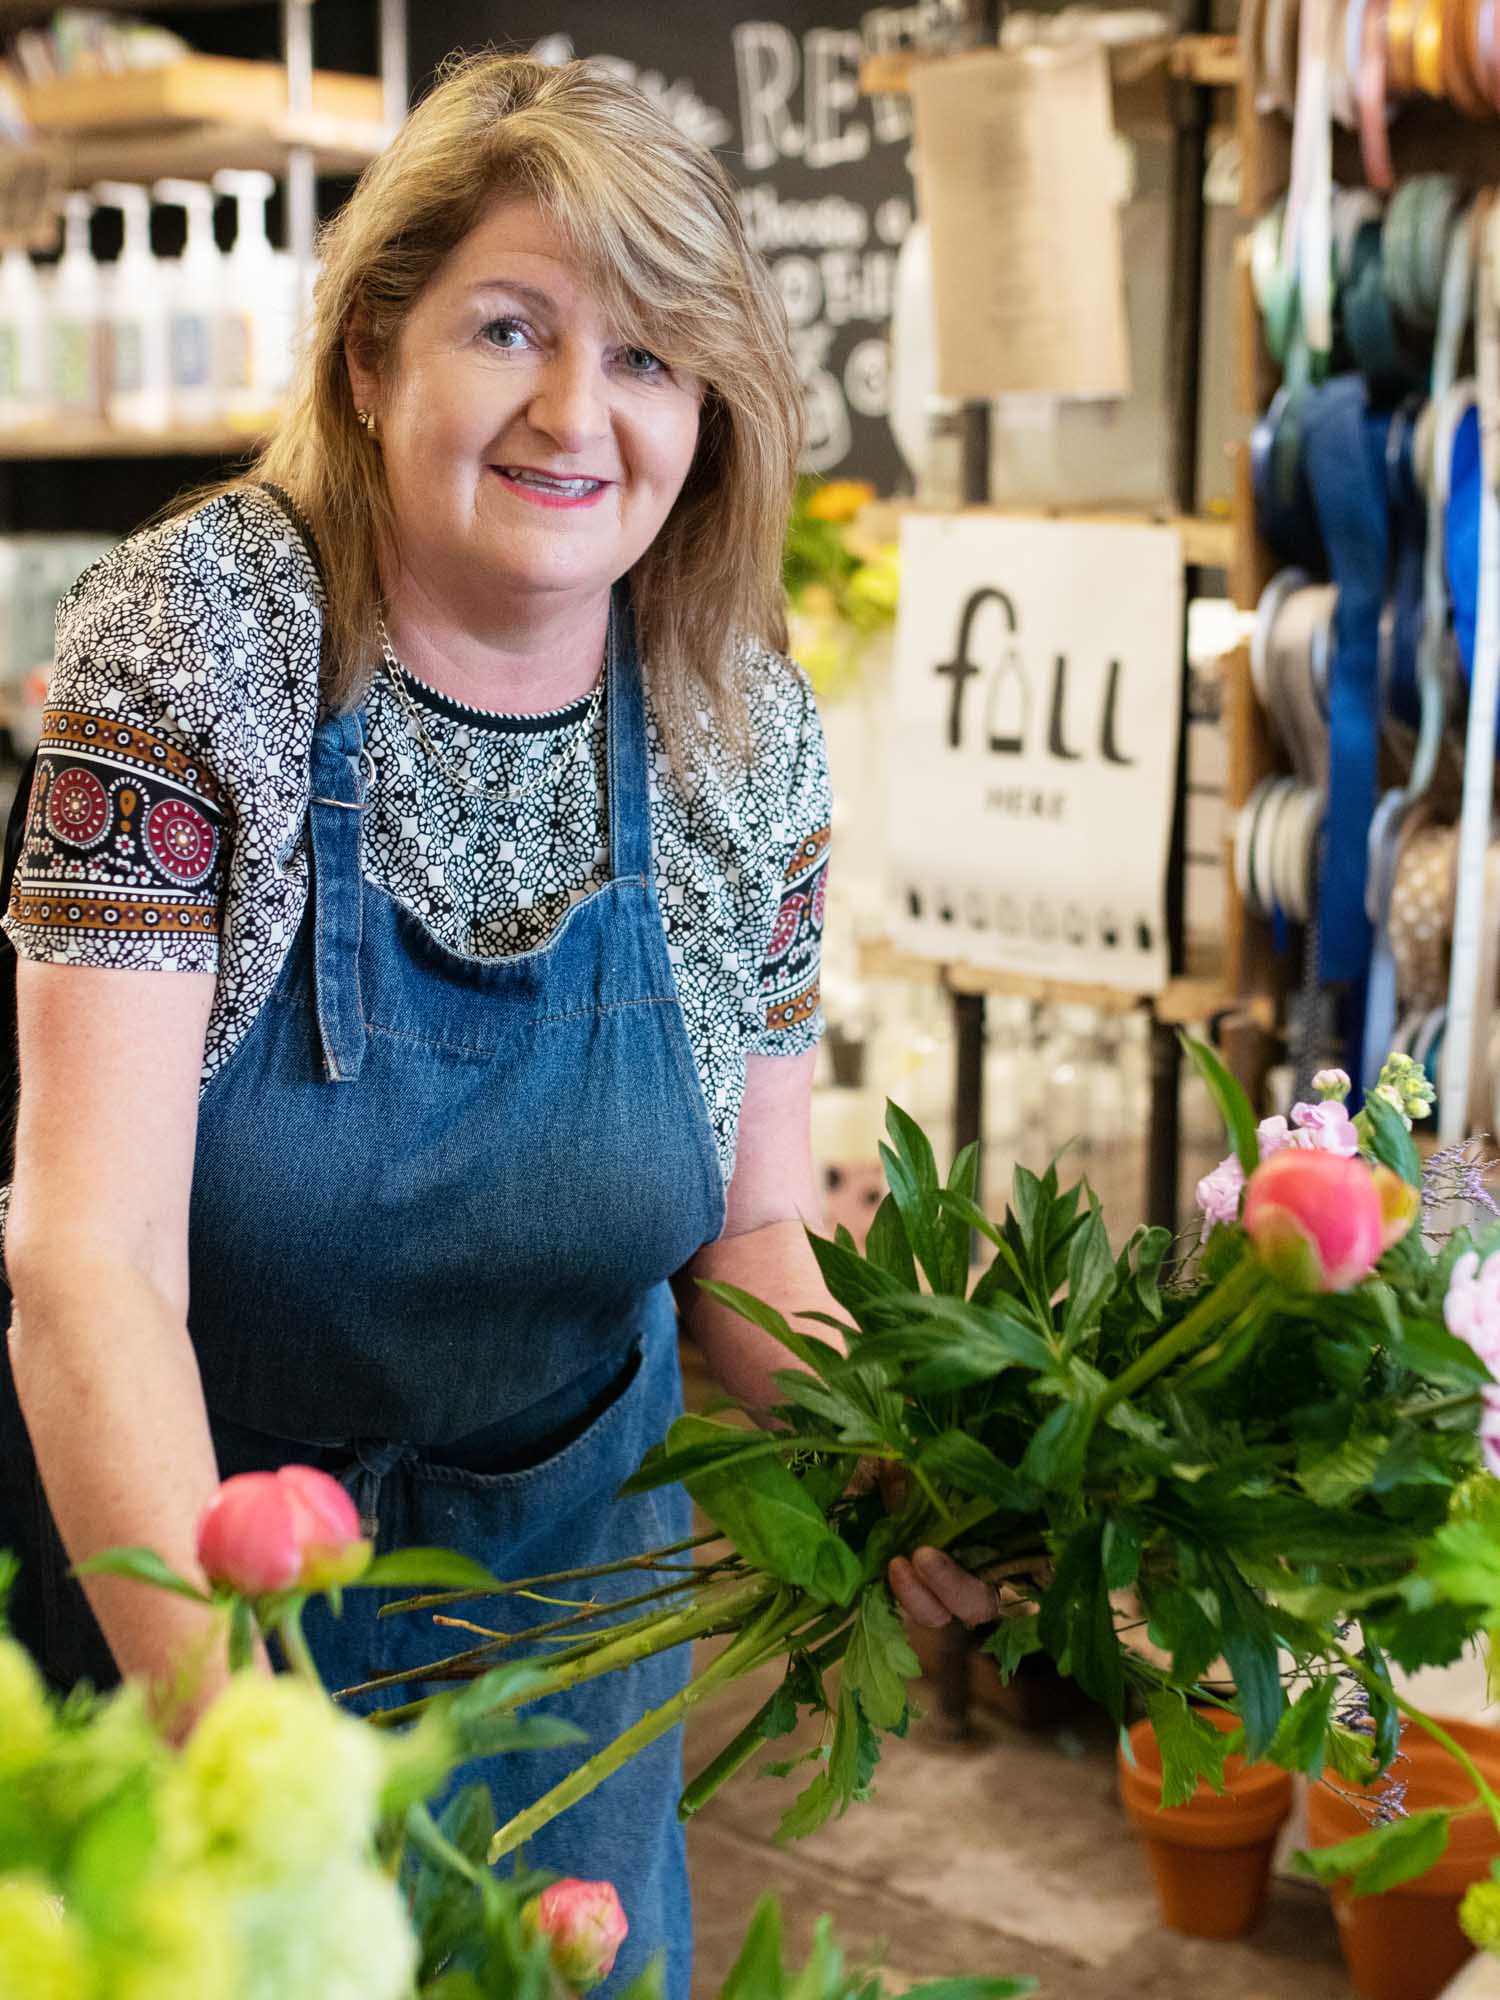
x,y
1272,1134
1326,1127
1471,1312
585,1926
1320,1221
294,1529
1218,1194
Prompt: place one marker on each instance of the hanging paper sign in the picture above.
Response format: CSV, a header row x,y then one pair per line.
x,y
1036,709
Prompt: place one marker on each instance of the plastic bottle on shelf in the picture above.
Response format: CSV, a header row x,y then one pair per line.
x,y
137,384
195,296
75,377
258,324
23,341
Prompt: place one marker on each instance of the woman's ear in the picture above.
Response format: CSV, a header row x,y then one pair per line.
x,y
359,359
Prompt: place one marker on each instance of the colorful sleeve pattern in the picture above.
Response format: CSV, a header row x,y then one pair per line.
x,y
790,980
126,838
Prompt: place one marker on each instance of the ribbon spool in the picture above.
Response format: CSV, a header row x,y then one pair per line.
x,y
1419,224
1278,829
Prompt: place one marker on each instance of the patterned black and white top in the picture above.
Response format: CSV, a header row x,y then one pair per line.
x,y
166,828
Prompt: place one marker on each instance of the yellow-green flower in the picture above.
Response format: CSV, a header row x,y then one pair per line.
x,y
338,1933
25,1716
1479,1913
41,1954
183,1943
273,1778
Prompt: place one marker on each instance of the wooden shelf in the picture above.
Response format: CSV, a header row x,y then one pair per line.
x,y
83,440
1207,539
144,124
1195,996
1211,60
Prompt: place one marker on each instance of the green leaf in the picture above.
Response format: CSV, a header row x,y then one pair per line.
x,y
956,1459
1178,1624
426,1569
1434,1636
1300,1742
1332,1477
811,1809
976,1988
1383,1858
1077,1620
1121,1554
1248,1642
1055,1457
663,1466
1463,1560
1350,1755
912,1173
815,1354
142,1566
1191,1748
952,1233
1391,1142
1014,1640
114,1853
1233,1105
887,1244
880,1661
767,1512
1430,1350
859,1286
1091,1276
757,1973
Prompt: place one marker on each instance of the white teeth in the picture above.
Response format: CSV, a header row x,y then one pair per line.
x,y
571,487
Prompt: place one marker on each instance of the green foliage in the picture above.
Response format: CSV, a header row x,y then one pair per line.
x,y
1384,1857
1233,1105
1191,1748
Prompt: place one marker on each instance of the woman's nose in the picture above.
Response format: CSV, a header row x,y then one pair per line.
x,y
569,403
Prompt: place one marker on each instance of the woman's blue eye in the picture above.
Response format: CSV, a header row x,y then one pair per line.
x,y
641,361
495,329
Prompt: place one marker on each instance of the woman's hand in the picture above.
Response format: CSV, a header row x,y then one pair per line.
x,y
934,1589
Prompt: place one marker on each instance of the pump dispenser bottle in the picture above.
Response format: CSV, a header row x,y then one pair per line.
x,y
137,382
258,324
23,341
195,297
75,385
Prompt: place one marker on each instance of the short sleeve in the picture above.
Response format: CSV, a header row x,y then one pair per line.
x,y
791,1017
125,851
127,836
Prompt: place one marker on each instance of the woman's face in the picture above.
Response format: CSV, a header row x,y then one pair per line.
x,y
528,449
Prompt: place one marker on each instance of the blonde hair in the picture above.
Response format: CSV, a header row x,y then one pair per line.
x,y
654,221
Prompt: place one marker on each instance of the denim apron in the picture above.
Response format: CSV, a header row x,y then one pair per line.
x,y
435,1203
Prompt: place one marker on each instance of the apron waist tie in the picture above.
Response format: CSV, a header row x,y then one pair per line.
x,y
374,1459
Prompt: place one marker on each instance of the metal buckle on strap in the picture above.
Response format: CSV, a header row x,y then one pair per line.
x,y
354,805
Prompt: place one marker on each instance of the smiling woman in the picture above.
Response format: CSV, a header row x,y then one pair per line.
x,y
449,763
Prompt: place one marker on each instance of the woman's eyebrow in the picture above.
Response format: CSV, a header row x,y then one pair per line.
x,y
532,295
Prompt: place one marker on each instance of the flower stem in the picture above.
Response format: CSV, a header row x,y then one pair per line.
x,y
288,1629
725,1612
1219,1302
652,1559
763,1635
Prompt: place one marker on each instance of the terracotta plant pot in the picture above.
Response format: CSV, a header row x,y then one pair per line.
x,y
1406,1944
1211,1857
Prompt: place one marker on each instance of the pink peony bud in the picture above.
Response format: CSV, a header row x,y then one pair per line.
x,y
294,1529
1319,1221
585,1925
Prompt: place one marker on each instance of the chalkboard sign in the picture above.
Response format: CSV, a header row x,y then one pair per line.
x,y
825,189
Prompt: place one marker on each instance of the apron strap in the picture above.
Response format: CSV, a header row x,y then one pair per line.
x,y
342,774
629,760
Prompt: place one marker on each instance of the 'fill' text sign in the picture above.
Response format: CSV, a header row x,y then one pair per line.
x,y
1034,748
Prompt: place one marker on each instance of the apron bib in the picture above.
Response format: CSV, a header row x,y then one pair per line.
x,y
436,1200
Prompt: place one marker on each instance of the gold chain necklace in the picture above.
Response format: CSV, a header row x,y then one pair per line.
x,y
551,771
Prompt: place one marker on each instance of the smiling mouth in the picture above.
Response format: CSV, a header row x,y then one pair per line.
x,y
542,482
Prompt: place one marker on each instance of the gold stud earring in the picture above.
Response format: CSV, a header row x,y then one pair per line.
x,y
366,421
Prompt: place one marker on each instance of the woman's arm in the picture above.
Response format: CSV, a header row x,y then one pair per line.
x,y
773,1199
96,1255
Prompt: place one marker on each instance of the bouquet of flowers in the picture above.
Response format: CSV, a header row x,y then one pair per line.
x,y
1269,1448
841,585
